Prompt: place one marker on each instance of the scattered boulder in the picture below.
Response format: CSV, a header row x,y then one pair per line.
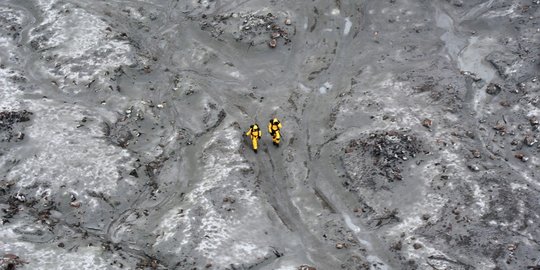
x,y
427,123
473,167
530,140
475,153
306,267
521,157
534,121
493,89
500,127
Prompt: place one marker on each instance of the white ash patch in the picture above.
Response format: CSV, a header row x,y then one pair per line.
x,y
67,157
76,46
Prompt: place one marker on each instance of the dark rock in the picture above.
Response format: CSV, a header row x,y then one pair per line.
x,y
272,43
427,123
500,127
473,167
306,267
521,157
471,75
475,153
75,204
529,140
418,246
493,89
11,261
534,121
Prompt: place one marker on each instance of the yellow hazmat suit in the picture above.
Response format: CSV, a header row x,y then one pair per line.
x,y
255,134
274,127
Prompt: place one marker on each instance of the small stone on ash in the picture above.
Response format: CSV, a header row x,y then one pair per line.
x,y
272,43
427,123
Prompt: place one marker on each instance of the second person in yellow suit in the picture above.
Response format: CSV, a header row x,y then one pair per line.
x,y
274,127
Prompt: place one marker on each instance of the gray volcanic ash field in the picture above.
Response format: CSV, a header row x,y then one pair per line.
x,y
410,134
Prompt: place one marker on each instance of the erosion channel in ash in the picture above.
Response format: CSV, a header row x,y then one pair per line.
x,y
410,134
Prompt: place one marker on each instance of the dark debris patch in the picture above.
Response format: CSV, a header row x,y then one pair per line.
x,y
385,151
8,124
10,261
249,28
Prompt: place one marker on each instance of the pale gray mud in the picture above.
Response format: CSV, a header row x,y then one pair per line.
x,y
410,136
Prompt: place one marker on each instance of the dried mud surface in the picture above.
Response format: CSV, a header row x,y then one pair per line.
x,y
410,136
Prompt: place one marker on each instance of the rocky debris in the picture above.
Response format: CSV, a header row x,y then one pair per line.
x,y
427,123
471,75
534,121
184,136
75,204
436,262
387,150
228,202
357,263
8,124
475,153
387,217
397,246
529,140
306,267
250,28
457,3
521,157
130,128
15,201
272,43
148,263
10,261
500,126
473,167
493,89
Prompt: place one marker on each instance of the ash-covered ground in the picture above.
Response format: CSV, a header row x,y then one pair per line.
x,y
410,139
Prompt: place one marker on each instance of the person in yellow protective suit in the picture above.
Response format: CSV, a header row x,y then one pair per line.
x,y
274,127
255,134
